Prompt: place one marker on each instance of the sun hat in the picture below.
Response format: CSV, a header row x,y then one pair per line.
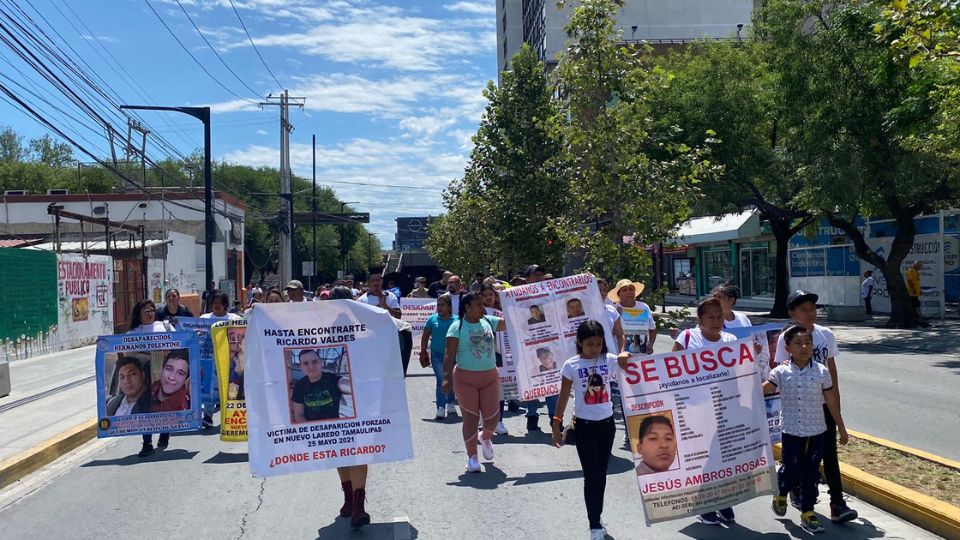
x,y
614,294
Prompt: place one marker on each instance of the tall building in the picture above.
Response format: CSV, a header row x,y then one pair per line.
x,y
661,23
411,233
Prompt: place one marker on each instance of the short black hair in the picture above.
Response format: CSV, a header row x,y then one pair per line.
x,y
588,329
730,291
572,300
129,360
341,292
542,350
706,304
649,421
793,332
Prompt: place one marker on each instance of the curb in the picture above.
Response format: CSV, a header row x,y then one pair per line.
x,y
926,512
16,467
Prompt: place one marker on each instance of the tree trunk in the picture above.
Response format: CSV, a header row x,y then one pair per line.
x,y
782,233
902,312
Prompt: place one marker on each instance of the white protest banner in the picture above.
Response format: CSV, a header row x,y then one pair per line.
x,y
416,311
698,429
764,343
542,320
929,250
324,387
506,369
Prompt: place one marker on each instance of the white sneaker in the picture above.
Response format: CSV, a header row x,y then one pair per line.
x,y
441,413
487,446
451,408
501,429
597,534
473,464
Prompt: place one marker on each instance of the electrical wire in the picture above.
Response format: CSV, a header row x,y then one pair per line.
x,y
262,61
190,54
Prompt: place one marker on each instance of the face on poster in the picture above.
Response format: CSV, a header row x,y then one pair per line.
x,y
145,383
697,424
324,388
208,382
230,358
542,321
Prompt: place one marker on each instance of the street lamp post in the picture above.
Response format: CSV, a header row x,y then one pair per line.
x,y
202,114
343,246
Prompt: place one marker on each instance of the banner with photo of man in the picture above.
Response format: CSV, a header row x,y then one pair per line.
x,y
542,320
765,343
229,357
324,388
146,382
698,429
507,370
209,394
416,311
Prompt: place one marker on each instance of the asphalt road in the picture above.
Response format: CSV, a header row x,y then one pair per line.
x,y
202,488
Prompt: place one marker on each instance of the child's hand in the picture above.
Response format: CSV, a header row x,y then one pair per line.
x,y
622,359
844,438
557,435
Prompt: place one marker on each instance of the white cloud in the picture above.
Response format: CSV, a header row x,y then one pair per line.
x,y
262,132
425,126
480,7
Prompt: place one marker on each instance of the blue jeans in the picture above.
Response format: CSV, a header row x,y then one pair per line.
x,y
436,361
532,406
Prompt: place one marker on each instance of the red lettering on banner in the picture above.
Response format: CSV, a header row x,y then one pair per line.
x,y
746,354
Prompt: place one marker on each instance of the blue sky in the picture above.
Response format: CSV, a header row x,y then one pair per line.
x,y
393,88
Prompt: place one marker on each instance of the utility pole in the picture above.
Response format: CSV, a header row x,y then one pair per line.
x,y
313,208
285,239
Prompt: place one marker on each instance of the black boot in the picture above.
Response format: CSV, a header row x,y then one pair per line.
x,y
532,422
347,509
359,517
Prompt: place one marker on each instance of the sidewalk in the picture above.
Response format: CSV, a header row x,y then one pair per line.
x,y
50,394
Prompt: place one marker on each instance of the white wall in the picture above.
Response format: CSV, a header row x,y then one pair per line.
x,y
832,290
180,271
513,31
84,299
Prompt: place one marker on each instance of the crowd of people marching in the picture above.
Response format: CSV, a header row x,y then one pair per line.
x,y
458,343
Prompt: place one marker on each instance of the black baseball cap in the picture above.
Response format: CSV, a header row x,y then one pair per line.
x,y
531,269
800,296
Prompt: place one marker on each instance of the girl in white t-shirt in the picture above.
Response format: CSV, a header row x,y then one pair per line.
x,y
588,374
728,295
709,330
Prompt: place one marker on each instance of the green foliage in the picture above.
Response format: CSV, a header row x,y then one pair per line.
x,y
509,192
628,176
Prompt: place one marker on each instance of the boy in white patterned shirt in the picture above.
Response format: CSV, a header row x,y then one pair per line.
x,y
804,386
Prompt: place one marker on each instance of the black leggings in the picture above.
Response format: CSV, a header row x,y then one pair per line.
x,y
831,465
594,444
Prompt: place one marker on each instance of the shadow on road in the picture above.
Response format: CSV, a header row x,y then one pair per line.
x,y
857,530
175,454
949,364
226,457
198,433
491,478
387,531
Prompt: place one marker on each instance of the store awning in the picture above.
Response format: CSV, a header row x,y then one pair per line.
x,y
100,245
704,230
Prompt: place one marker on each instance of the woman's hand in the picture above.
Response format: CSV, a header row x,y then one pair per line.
x,y
445,386
557,434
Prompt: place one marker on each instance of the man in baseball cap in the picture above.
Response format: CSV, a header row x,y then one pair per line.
x,y
295,290
800,296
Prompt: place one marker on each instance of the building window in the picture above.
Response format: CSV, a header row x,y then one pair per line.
x,y
717,267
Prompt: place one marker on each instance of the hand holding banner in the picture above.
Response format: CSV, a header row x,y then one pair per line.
x,y
324,388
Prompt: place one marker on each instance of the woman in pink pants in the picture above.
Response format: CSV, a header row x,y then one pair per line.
x,y
470,367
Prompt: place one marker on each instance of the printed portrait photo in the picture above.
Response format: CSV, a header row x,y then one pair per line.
x,y
537,315
574,308
319,386
145,382
546,361
653,440
235,342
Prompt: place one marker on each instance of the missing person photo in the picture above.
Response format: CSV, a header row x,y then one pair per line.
x,y
574,308
546,362
319,386
128,383
653,439
170,390
536,315
235,342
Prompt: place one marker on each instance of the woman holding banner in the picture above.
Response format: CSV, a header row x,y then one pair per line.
x,y
470,368
709,330
353,480
143,320
173,308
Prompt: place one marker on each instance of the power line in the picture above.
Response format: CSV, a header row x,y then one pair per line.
x,y
190,54
222,61
262,61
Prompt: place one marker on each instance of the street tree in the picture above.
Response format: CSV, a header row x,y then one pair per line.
x,y
631,181
854,107
509,188
49,151
11,146
725,93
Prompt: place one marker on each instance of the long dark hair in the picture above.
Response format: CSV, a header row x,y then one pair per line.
x,y
588,329
135,313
